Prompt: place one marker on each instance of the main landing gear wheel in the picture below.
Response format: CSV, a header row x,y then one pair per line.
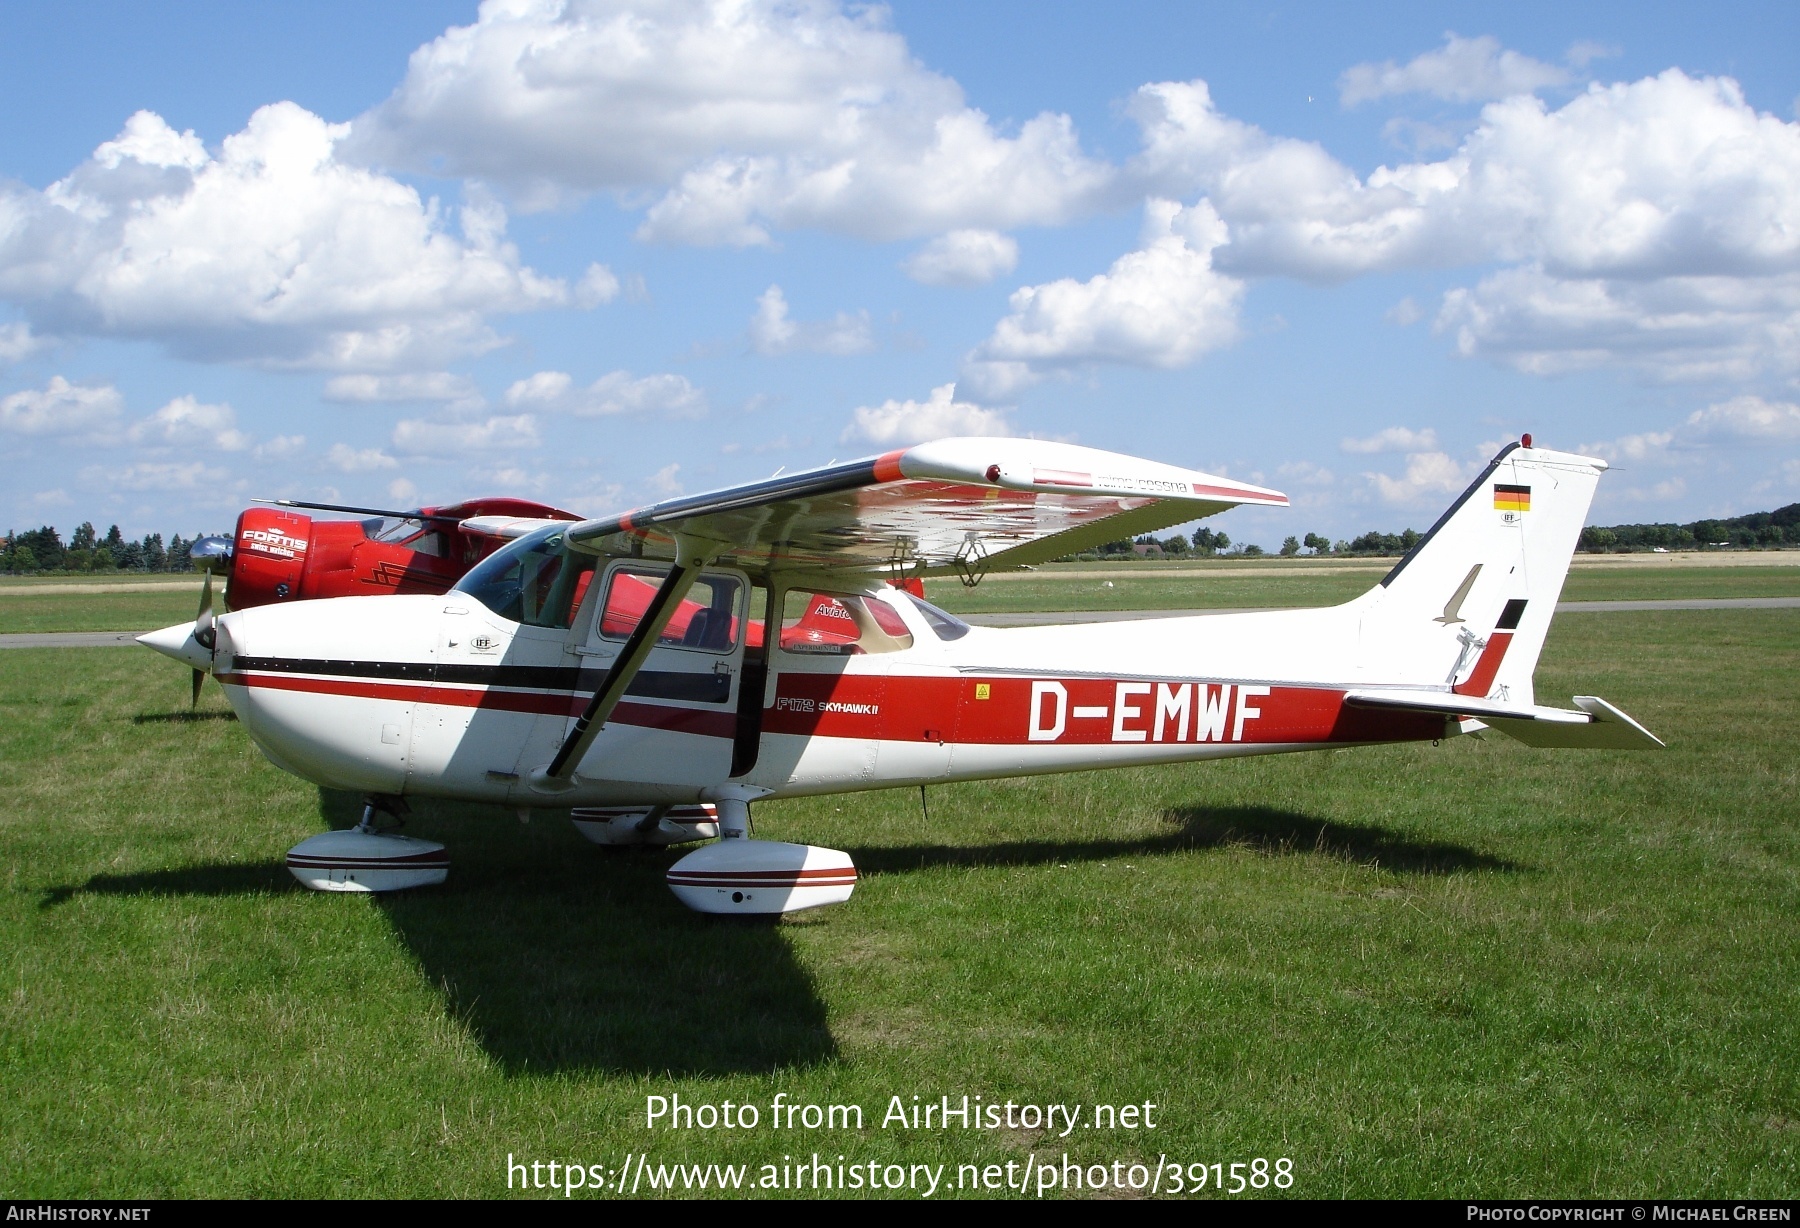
x,y
748,877
367,858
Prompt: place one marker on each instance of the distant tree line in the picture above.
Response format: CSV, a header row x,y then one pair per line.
x,y
1758,530
1206,543
42,549
1780,527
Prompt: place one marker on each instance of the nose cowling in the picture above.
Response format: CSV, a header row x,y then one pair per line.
x,y
180,643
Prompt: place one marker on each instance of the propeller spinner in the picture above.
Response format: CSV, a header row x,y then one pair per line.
x,y
191,644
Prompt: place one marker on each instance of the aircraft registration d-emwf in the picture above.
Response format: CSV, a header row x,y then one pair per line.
x,y
657,672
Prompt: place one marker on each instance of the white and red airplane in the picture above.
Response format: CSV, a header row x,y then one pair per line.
x,y
659,671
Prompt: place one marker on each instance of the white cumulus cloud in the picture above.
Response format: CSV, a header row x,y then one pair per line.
x,y
1745,423
1427,473
427,438
940,415
1162,305
1653,224
174,476
409,386
187,422
272,251
619,392
963,258
751,113
346,459
280,447
17,342
1672,328
773,333
61,408
1462,70
1393,439
1747,419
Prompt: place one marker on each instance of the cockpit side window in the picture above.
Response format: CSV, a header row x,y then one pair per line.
x,y
710,618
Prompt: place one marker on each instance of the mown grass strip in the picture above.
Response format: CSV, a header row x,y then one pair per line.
x,y
1470,970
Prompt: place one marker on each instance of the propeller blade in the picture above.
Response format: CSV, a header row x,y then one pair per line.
x,y
204,635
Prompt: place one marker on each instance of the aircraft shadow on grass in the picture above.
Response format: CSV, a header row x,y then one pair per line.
x,y
1261,828
181,718
560,956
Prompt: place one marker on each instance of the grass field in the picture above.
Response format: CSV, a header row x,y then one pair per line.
x,y
1470,970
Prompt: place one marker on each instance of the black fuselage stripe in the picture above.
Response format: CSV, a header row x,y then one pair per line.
x,y
649,684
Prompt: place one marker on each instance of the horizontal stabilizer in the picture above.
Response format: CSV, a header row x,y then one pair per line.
x,y
1597,725
1607,729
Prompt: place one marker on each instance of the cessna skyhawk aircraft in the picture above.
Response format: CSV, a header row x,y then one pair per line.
x,y
661,670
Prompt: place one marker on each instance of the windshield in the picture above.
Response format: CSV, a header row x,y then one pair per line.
x,y
536,580
390,529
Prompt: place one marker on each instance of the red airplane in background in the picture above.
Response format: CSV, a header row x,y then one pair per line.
x,y
275,555
280,555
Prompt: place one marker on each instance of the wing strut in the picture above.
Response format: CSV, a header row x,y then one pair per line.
x,y
561,770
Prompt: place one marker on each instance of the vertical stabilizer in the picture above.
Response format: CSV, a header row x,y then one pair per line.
x,y
1469,607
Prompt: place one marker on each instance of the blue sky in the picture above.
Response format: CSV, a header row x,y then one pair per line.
x,y
601,253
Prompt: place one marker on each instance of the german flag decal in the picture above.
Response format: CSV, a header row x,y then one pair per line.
x,y
1512,498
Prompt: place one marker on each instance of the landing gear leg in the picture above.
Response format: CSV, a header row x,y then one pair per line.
x,y
734,818
382,803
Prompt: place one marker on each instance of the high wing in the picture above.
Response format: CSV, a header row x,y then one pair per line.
x,y
968,505
965,505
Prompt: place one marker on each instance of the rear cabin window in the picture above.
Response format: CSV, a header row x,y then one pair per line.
x,y
944,625
710,618
840,625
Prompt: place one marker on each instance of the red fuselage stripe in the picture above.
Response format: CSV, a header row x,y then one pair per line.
x,y
1000,711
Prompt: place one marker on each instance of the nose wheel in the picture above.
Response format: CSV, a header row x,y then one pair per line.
x,y
368,858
